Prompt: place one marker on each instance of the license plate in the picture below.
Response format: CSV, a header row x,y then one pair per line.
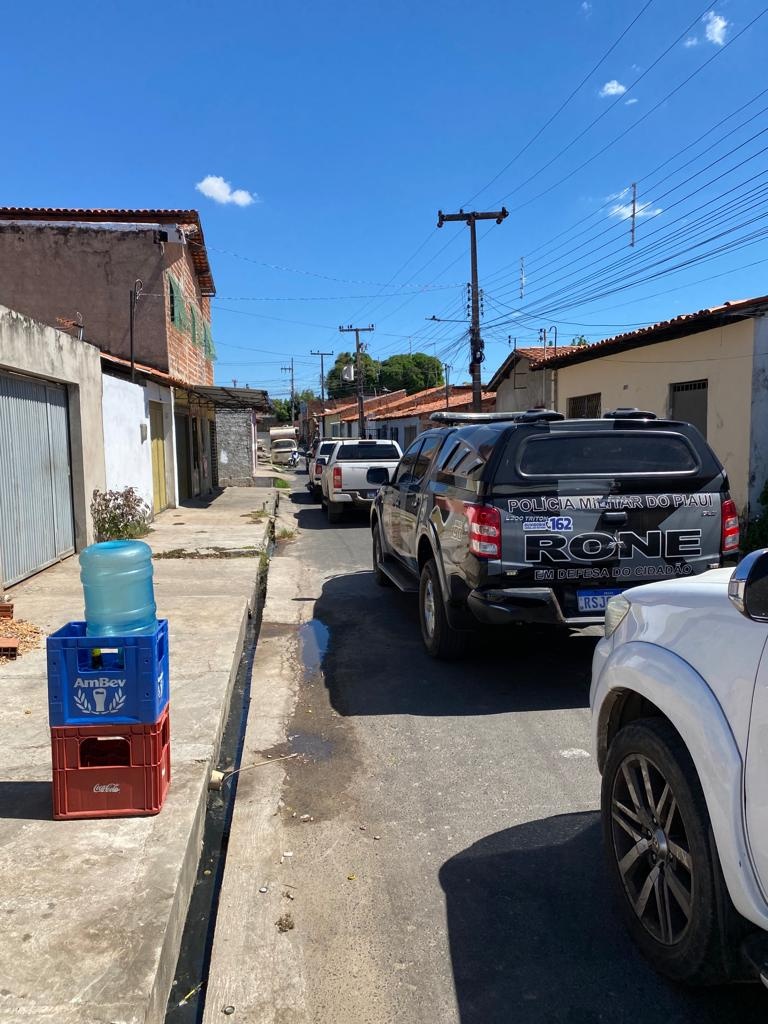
x,y
594,600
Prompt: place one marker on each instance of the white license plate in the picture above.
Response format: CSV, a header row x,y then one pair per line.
x,y
594,600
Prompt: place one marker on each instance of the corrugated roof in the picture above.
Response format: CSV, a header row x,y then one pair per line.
x,y
681,326
187,218
538,355
457,400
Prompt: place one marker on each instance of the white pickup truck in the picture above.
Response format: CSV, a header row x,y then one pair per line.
x,y
345,478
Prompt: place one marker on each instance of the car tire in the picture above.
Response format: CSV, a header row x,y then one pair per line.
x,y
333,511
378,554
441,641
682,919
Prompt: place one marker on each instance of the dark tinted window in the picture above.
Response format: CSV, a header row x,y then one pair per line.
x,y
373,451
612,453
405,471
425,455
326,447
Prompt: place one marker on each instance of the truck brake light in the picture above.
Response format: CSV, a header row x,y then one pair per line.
x,y
730,534
484,530
337,476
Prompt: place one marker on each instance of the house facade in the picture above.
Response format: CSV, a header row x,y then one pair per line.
x,y
137,284
410,418
51,444
709,368
518,387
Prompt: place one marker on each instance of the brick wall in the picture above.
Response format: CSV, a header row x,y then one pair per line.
x,y
185,360
233,441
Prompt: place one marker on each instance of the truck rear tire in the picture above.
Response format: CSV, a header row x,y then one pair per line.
x,y
440,640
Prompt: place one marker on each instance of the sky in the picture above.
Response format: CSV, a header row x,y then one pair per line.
x,y
319,140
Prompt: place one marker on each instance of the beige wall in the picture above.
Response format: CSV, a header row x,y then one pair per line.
x,y
524,389
641,377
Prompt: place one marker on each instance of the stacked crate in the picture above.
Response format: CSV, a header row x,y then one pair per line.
x,y
108,706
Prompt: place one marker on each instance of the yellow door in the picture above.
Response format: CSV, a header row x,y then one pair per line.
x,y
157,440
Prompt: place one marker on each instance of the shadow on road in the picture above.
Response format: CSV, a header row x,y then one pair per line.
x,y
534,938
376,663
311,515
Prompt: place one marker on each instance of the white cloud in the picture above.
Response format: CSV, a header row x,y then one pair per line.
x,y
220,191
715,27
624,210
691,41
586,7
613,88
632,100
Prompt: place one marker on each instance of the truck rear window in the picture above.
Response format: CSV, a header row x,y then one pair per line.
x,y
610,453
373,452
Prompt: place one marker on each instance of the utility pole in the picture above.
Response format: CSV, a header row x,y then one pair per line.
x,y
543,336
446,371
322,387
359,373
476,342
289,369
634,213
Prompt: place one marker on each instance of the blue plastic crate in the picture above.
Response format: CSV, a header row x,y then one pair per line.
x,y
107,680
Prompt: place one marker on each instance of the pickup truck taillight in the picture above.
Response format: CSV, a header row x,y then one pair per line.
x,y
337,476
484,530
730,535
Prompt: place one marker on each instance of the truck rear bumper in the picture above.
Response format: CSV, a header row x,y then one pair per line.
x,y
500,606
351,498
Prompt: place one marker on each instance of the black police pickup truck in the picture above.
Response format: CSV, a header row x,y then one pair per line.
x,y
502,518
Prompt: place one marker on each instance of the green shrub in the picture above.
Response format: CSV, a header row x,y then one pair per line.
x,y
119,515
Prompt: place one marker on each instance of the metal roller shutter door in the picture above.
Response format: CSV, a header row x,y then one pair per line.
x,y
36,524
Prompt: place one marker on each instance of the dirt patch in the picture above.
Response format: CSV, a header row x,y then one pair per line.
x,y
216,552
30,637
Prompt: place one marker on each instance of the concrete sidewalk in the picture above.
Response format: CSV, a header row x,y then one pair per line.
x,y
93,911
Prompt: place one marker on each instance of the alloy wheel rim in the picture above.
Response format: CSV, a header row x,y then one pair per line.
x,y
429,608
652,849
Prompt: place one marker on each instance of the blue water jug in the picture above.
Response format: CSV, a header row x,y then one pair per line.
x,y
117,586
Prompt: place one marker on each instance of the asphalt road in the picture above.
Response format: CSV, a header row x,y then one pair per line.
x,y
452,871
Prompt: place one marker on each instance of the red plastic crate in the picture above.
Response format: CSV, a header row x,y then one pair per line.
x,y
110,771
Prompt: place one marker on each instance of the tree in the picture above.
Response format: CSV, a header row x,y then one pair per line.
x,y
283,405
580,341
338,388
414,372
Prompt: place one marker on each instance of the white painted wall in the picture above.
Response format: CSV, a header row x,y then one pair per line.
x,y
127,456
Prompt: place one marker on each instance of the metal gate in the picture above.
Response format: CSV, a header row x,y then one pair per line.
x,y
36,525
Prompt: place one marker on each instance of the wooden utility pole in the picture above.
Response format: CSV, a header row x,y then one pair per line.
x,y
446,371
475,341
289,369
359,373
322,387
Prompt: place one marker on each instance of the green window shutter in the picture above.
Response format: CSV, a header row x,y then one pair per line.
x,y
208,346
194,330
179,310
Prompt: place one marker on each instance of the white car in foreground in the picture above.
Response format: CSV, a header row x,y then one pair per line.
x,y
680,720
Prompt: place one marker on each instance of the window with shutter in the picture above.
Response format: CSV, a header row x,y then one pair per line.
x,y
208,347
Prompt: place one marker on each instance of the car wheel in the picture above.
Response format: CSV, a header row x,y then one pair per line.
x,y
378,556
333,511
662,857
439,639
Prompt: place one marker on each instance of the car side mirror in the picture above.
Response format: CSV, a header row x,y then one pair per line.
x,y
748,586
377,475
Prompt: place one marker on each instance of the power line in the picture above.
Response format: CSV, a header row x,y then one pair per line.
x,y
635,124
562,106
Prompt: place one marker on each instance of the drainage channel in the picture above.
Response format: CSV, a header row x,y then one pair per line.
x,y
187,997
